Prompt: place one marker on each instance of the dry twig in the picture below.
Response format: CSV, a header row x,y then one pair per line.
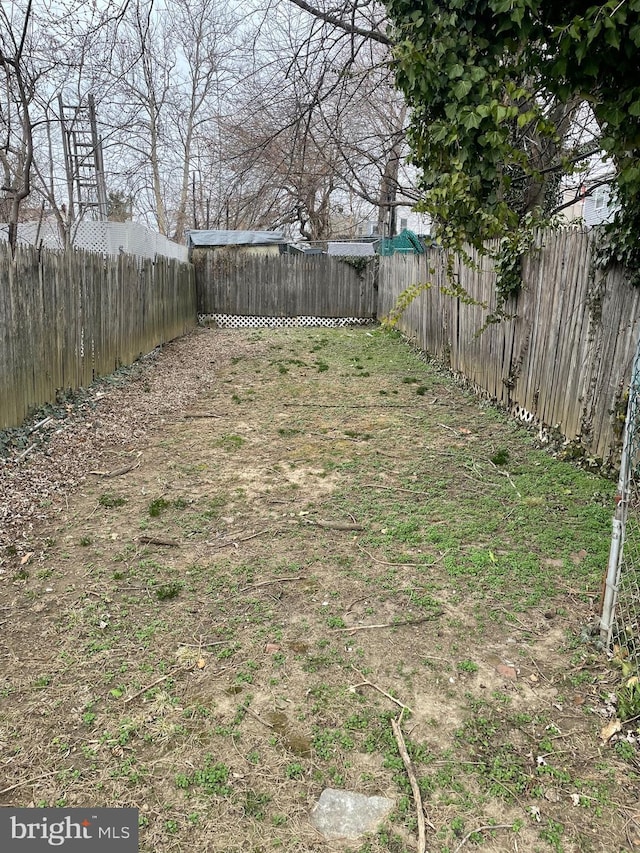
x,y
241,539
402,564
158,540
507,475
333,525
32,779
25,453
366,683
415,788
406,624
275,580
117,472
257,717
482,829
397,489
173,672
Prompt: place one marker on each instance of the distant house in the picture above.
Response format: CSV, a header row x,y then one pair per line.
x,y
253,242
599,205
590,200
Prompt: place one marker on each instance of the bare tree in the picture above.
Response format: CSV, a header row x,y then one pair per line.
x,y
16,148
329,73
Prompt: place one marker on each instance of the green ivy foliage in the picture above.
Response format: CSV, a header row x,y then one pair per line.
x,y
490,84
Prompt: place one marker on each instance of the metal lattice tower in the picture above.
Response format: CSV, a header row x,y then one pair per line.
x,y
83,159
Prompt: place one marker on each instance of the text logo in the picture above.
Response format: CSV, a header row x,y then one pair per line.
x,y
68,830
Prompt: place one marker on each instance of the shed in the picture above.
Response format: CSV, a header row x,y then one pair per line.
x,y
349,250
258,242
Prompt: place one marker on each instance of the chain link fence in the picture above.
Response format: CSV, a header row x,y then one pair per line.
x,y
620,621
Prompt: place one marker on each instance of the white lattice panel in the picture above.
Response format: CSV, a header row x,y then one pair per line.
x,y
91,235
231,321
106,238
48,234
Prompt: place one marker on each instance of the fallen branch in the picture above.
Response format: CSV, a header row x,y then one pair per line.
x,y
275,580
507,475
242,539
33,779
406,624
117,472
397,489
162,678
158,540
25,453
482,829
366,683
40,424
333,525
347,406
400,565
415,788
451,429
203,415
257,717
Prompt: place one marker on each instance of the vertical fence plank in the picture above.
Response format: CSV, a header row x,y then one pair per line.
x,y
246,283
563,360
66,318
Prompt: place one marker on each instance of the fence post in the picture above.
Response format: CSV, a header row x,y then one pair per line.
x,y
629,445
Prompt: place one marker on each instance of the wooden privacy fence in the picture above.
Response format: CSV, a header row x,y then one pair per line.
x,y
68,317
238,282
562,362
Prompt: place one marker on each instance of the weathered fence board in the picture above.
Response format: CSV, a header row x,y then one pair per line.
x,y
66,318
562,361
237,282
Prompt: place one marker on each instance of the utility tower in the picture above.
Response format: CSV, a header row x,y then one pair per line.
x,y
83,159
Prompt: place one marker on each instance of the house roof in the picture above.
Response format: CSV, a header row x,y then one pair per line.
x,y
234,238
345,249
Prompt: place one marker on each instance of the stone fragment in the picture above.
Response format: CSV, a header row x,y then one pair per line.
x,y
346,814
507,671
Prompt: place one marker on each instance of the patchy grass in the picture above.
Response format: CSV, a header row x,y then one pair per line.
x,y
349,529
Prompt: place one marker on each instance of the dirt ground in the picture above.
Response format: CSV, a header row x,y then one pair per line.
x,y
225,571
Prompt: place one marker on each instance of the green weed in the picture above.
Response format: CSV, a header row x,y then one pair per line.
x,y
158,506
111,501
212,779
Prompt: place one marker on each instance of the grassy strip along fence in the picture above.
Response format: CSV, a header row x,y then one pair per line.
x,y
560,360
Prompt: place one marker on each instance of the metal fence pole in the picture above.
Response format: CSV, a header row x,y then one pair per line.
x,y
616,553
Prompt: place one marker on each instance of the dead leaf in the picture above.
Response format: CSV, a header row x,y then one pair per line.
x,y
578,557
608,731
26,558
272,648
633,834
201,663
